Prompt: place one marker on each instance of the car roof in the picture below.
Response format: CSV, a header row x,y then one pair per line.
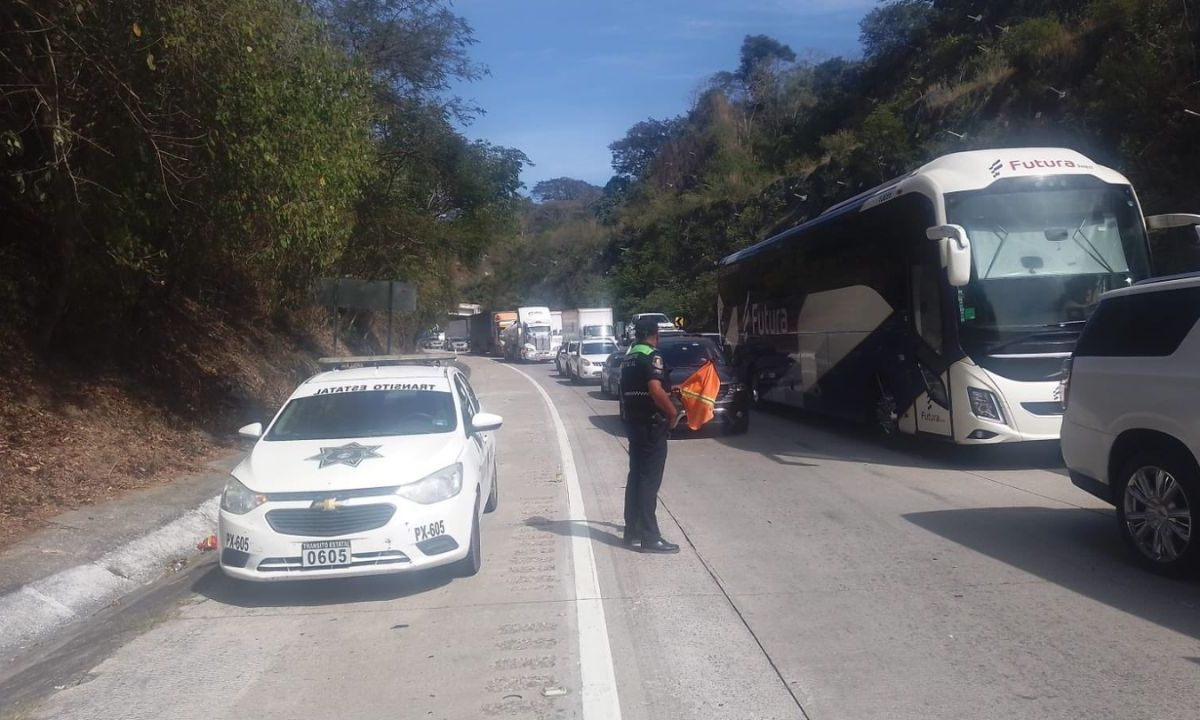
x,y
1159,284
437,378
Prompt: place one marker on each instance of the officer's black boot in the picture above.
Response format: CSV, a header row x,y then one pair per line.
x,y
659,546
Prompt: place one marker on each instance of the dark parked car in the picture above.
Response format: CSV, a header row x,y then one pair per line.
x,y
610,374
683,355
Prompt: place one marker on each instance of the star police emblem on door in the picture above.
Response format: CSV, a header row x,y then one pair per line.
x,y
351,454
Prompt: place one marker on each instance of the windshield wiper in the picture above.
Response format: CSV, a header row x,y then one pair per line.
x,y
1090,249
1003,234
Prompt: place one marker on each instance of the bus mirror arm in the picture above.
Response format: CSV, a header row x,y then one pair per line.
x,y
1174,220
955,249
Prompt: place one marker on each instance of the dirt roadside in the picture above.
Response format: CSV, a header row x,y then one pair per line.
x,y
73,435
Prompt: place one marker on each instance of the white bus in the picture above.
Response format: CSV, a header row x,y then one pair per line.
x,y
943,302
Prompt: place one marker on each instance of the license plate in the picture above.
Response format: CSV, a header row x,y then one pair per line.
x,y
326,553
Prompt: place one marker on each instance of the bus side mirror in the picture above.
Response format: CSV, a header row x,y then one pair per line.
x,y
955,249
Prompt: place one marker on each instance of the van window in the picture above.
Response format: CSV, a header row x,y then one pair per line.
x,y
1144,325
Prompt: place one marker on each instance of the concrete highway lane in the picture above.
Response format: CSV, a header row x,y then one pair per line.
x,y
824,574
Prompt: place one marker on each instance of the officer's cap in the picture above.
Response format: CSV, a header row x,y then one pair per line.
x,y
646,327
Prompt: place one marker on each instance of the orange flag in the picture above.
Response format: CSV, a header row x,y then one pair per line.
x,y
699,393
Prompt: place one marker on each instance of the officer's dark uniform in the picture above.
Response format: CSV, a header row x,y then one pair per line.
x,y
647,431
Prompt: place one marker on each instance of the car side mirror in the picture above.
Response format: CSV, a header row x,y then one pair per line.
x,y
249,434
485,422
955,249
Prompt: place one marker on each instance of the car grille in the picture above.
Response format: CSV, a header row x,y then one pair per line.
x,y
315,522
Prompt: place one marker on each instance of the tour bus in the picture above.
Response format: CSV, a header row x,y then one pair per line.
x,y
941,303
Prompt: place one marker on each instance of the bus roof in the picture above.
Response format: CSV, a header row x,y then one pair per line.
x,y
957,172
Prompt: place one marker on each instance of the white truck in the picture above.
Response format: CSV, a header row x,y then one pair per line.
x,y
588,323
556,333
529,337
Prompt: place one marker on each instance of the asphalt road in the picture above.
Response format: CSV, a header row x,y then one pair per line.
x,y
823,575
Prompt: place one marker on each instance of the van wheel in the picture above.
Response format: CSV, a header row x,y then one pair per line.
x,y
469,566
1157,498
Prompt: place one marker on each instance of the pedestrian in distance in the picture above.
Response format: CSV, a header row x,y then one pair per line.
x,y
650,416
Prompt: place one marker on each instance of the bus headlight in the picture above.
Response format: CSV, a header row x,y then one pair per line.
x,y
984,404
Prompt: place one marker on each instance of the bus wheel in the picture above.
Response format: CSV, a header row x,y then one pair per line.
x,y
886,416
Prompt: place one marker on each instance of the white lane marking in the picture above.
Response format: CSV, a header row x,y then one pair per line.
x,y
599,692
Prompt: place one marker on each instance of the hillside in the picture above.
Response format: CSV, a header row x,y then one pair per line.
x,y
775,140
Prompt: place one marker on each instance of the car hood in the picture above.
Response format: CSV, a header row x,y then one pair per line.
x,y
677,375
317,465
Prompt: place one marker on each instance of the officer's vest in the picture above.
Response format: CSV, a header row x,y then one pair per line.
x,y
635,385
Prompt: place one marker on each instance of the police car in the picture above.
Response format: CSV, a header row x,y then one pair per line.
x,y
379,465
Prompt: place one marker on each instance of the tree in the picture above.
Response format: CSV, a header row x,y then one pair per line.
x,y
895,28
633,154
759,51
565,189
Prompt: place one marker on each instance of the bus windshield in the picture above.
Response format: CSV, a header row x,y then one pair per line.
x,y
1043,255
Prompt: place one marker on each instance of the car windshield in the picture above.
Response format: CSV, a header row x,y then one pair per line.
x,y
657,317
374,413
598,348
690,352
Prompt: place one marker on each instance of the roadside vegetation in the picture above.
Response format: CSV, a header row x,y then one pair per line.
x,y
174,175
780,137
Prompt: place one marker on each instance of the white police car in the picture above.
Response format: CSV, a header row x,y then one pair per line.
x,y
382,465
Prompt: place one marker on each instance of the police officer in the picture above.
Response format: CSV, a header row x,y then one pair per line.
x,y
649,417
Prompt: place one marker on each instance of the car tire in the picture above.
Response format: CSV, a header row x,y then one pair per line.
x,y
1178,491
493,500
469,565
738,427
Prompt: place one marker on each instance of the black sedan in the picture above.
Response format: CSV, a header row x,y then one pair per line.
x,y
683,355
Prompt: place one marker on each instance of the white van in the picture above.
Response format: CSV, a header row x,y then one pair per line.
x,y
1131,433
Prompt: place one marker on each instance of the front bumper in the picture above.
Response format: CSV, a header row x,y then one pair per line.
x,y
538,355
729,409
589,373
254,548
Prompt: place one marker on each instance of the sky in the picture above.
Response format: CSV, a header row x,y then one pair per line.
x,y
568,77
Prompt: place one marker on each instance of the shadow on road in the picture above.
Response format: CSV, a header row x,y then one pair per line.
x,y
1075,549
613,425
599,395
789,436
578,528
214,585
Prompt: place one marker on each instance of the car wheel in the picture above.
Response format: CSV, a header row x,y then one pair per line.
x,y
469,566
738,427
494,498
887,417
1158,496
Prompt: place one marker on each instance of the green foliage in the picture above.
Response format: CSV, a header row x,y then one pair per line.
x,y
1033,43
230,152
774,142
896,28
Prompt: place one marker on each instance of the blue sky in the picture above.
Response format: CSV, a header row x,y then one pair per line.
x,y
568,77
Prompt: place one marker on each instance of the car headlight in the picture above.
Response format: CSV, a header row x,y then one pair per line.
x,y
239,499
732,388
985,404
587,363
441,485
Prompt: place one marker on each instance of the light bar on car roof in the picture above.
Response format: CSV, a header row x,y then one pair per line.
x,y
355,361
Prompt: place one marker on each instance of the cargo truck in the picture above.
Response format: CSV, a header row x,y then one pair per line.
x,y
529,338
588,323
501,320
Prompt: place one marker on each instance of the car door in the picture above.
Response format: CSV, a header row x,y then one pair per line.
x,y
573,357
479,445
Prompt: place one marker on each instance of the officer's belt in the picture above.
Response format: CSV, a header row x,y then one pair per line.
x,y
636,393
